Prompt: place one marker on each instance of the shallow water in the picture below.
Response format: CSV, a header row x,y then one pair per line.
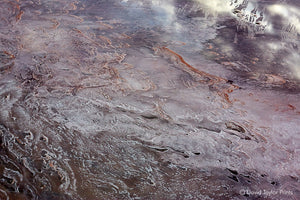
x,y
149,99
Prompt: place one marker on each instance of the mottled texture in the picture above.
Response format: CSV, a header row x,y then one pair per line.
x,y
174,99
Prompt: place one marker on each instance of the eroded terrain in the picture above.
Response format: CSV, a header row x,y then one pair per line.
x,y
149,99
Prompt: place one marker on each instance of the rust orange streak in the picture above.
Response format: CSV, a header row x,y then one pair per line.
x,y
105,25
78,31
19,16
74,7
14,4
79,18
226,96
51,164
56,23
88,38
15,7
292,107
108,41
11,56
213,79
126,36
202,73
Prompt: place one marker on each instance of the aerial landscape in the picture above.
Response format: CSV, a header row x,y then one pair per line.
x,y
149,99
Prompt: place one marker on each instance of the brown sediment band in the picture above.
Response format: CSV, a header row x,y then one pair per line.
x,y
180,59
212,79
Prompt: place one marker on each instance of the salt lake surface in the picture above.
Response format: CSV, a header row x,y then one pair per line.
x,y
151,99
